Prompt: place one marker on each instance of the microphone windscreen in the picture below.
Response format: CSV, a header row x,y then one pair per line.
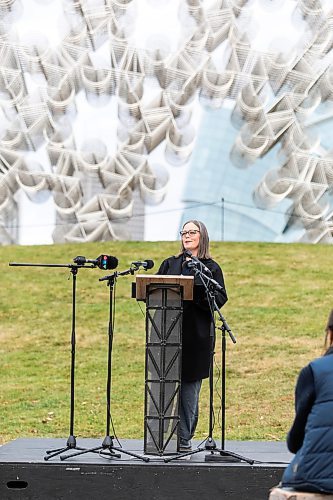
x,y
107,262
150,264
112,262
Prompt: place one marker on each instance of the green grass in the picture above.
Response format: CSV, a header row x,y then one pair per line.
x,y
279,300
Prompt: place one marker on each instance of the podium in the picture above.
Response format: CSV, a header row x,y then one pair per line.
x,y
164,297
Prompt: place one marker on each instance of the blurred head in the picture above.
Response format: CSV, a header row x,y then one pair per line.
x,y
194,237
329,330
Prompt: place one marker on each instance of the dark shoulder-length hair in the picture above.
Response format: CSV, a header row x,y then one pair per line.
x,y
329,331
203,250
328,338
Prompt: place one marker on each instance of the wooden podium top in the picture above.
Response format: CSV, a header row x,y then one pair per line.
x,y
142,280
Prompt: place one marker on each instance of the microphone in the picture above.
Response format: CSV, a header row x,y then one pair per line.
x,y
196,261
216,285
146,264
189,254
103,261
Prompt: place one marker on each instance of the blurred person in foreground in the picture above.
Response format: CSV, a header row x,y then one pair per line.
x,y
198,333
311,435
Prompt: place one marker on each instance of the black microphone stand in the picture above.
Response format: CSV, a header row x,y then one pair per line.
x,y
71,441
222,455
107,448
212,287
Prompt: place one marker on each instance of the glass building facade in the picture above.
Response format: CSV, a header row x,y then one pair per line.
x,y
221,194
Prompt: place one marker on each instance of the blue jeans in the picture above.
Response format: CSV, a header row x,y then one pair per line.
x,y
189,411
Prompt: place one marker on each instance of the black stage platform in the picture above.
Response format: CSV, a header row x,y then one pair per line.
x,y
24,474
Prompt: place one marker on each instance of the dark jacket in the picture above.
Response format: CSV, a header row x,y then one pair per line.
x,y
311,435
197,325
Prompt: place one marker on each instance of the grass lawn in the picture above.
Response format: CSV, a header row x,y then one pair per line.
x,y
278,305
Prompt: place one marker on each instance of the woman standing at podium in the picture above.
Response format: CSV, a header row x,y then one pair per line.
x,y
198,333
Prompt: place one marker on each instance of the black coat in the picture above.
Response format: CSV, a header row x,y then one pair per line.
x,y
311,435
197,325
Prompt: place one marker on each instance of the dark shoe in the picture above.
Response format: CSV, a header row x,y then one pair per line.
x,y
184,449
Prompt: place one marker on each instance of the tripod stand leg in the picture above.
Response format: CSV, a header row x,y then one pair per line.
x,y
107,450
130,453
70,445
237,456
106,445
210,445
181,455
218,455
92,450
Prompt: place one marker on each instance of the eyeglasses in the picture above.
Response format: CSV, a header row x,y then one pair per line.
x,y
191,232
